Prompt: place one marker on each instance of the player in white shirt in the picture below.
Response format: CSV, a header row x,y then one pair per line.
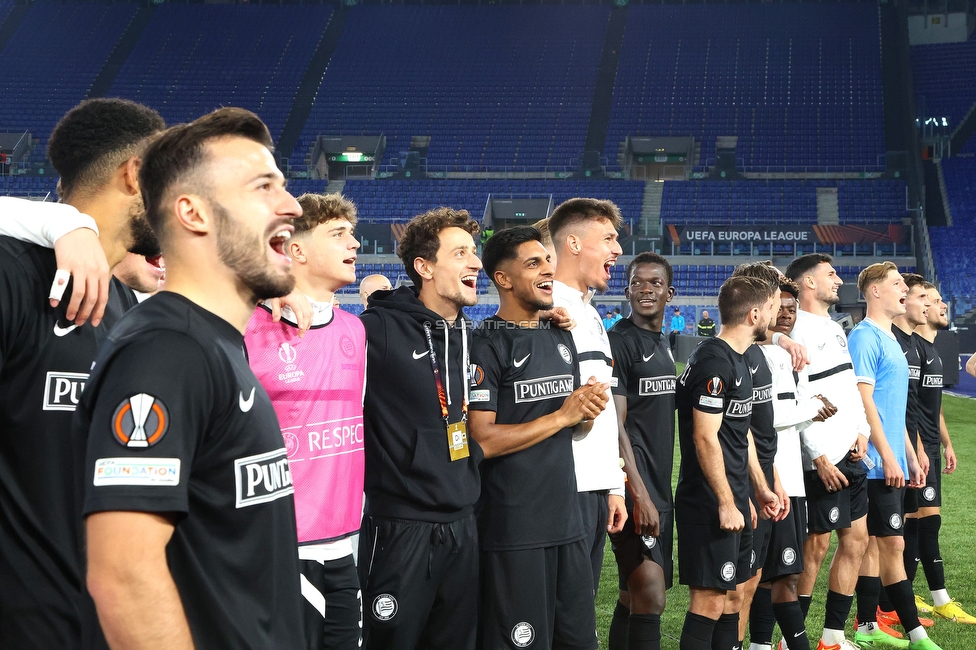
x,y
832,452
584,234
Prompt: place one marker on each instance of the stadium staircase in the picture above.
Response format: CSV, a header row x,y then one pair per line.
x,y
310,85
127,43
650,223
828,211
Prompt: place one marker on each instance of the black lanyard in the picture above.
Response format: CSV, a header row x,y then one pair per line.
x,y
439,383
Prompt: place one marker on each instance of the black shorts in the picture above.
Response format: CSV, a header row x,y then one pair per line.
x,y
538,598
712,558
760,544
911,500
784,556
886,509
419,582
595,510
630,549
332,605
827,511
930,496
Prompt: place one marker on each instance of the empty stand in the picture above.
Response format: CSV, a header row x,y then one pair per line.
x,y
53,58
492,85
943,76
800,84
179,68
953,248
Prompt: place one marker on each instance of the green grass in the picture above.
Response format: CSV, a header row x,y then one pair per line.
x,y
958,545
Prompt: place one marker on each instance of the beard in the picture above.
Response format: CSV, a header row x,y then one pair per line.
x,y
245,254
827,297
142,239
759,333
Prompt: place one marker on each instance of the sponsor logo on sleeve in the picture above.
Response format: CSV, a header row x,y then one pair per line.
x,y
841,341
62,390
914,372
663,385
534,390
523,635
161,472
262,478
385,607
711,402
476,373
481,395
714,386
614,382
140,421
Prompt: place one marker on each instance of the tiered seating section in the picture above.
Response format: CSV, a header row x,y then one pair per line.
x,y
799,84
52,59
491,85
182,70
943,76
721,202
953,248
382,201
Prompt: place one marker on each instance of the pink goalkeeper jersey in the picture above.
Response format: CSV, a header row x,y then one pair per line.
x,y
316,386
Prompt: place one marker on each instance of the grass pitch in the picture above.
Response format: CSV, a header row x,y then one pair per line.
x,y
957,541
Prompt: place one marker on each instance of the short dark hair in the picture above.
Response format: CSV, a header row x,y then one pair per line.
x,y
806,263
95,137
741,294
912,280
177,154
789,286
319,208
421,237
503,246
760,270
651,258
578,210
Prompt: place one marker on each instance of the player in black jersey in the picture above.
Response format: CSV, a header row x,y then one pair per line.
x,y
525,402
190,519
644,396
44,364
933,434
713,512
761,424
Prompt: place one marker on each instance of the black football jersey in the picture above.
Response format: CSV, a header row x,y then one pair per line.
x,y
174,421
44,365
528,498
644,372
761,421
929,393
909,346
716,380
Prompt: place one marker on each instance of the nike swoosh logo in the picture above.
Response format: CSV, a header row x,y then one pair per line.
x,y
753,370
246,404
61,331
821,346
420,355
646,359
518,364
738,382
799,634
929,362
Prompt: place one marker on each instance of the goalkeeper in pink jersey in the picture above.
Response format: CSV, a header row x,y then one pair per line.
x,y
316,384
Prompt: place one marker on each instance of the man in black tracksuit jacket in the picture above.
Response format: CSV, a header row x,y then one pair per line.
x,y
418,557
